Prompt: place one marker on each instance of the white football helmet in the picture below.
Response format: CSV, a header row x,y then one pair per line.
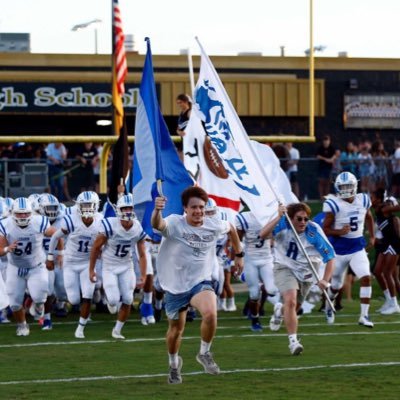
x,y
4,210
124,208
346,185
88,204
211,207
63,208
49,206
34,199
9,202
22,211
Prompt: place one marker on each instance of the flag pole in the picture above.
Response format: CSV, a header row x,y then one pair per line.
x,y
264,174
191,72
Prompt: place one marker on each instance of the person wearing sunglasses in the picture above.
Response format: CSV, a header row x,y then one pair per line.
x,y
292,272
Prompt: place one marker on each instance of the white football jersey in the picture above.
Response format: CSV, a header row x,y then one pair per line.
x,y
120,242
352,214
29,252
254,246
80,237
46,240
187,252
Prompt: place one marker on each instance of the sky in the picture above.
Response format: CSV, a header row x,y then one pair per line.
x,y
362,28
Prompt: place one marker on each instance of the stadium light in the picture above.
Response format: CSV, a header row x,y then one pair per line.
x,y
84,25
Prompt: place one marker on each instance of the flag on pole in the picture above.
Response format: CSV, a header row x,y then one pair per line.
x,y
120,162
229,138
155,156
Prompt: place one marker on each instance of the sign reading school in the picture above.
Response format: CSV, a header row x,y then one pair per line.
x,y
85,98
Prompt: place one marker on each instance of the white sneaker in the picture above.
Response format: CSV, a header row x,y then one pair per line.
x,y
392,309
151,320
385,305
23,330
276,319
330,316
364,320
79,334
230,305
117,335
112,309
143,320
296,348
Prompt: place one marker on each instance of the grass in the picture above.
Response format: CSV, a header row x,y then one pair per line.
x,y
344,360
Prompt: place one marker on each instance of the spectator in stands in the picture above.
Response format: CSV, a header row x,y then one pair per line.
x,y
365,166
88,157
380,171
326,155
292,170
56,156
396,169
184,103
348,159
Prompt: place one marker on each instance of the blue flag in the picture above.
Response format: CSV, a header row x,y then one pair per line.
x,y
155,156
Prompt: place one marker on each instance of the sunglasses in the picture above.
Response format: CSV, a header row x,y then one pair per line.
x,y
300,219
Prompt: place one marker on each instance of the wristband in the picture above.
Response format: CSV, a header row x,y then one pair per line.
x,y
6,249
60,252
240,255
50,257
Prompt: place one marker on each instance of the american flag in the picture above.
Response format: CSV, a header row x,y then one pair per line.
x,y
119,54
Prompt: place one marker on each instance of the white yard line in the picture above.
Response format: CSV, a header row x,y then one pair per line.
x,y
139,340
234,371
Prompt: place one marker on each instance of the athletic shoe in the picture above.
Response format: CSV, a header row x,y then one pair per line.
x,y
79,334
230,305
296,348
112,309
207,361
392,309
256,326
277,318
47,325
364,320
151,320
34,312
117,335
23,330
157,315
174,375
4,320
330,316
385,305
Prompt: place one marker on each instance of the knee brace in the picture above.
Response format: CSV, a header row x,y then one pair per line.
x,y
365,292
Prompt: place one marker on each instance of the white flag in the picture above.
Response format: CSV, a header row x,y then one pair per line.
x,y
230,139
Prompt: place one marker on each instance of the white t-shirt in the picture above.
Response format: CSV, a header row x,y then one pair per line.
x,y
187,252
294,155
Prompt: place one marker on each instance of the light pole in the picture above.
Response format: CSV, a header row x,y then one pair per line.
x,y
85,25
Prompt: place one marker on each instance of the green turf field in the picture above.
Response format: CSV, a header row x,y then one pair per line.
x,y
343,361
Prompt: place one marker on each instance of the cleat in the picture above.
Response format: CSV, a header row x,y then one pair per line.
x,y
23,330
117,335
277,318
330,316
392,309
79,334
174,375
364,320
296,348
256,326
151,320
207,361
157,315
47,325
143,320
385,305
4,320
112,309
230,305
